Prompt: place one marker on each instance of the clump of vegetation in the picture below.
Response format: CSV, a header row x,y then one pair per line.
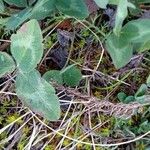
x,y
81,71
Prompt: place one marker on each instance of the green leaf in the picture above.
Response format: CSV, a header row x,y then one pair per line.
x,y
121,96
74,8
137,31
114,2
119,49
102,3
2,7
124,98
38,94
137,10
122,12
43,8
71,75
17,19
53,75
19,3
144,127
7,65
141,91
27,47
129,99
3,22
144,99
141,47
148,81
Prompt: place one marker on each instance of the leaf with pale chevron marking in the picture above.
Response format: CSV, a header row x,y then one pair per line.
x,y
27,47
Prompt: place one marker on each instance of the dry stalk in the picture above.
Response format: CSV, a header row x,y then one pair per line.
x,y
106,107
